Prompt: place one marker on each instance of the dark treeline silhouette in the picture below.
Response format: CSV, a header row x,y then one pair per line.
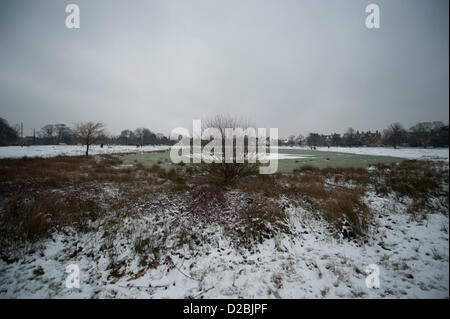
x,y
7,133
55,134
142,136
424,134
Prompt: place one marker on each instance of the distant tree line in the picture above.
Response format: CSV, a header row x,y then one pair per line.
x,y
424,134
141,136
7,133
54,134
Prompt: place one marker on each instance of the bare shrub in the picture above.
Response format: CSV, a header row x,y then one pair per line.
x,y
230,172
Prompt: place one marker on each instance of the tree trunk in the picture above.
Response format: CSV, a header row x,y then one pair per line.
x,y
87,146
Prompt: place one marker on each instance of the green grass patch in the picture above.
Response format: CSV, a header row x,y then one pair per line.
x,y
148,159
319,159
323,159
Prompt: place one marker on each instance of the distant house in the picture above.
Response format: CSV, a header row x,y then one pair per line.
x,y
368,138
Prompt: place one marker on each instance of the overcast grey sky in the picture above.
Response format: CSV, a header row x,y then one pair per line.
x,y
297,65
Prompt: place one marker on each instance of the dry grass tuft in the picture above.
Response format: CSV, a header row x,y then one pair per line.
x,y
266,185
31,218
415,179
256,222
346,207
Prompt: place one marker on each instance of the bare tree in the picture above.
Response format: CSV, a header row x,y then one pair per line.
x,y
350,137
7,133
47,133
139,134
229,172
299,140
89,132
149,136
420,134
313,139
395,134
18,128
63,133
126,136
291,140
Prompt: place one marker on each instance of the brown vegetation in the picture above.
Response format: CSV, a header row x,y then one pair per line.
x,y
39,195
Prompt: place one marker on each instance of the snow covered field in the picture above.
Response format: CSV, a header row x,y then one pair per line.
x,y
412,257
410,153
70,150
115,252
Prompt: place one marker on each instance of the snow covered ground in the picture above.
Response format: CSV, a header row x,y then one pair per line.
x,y
410,153
412,253
70,150
412,256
